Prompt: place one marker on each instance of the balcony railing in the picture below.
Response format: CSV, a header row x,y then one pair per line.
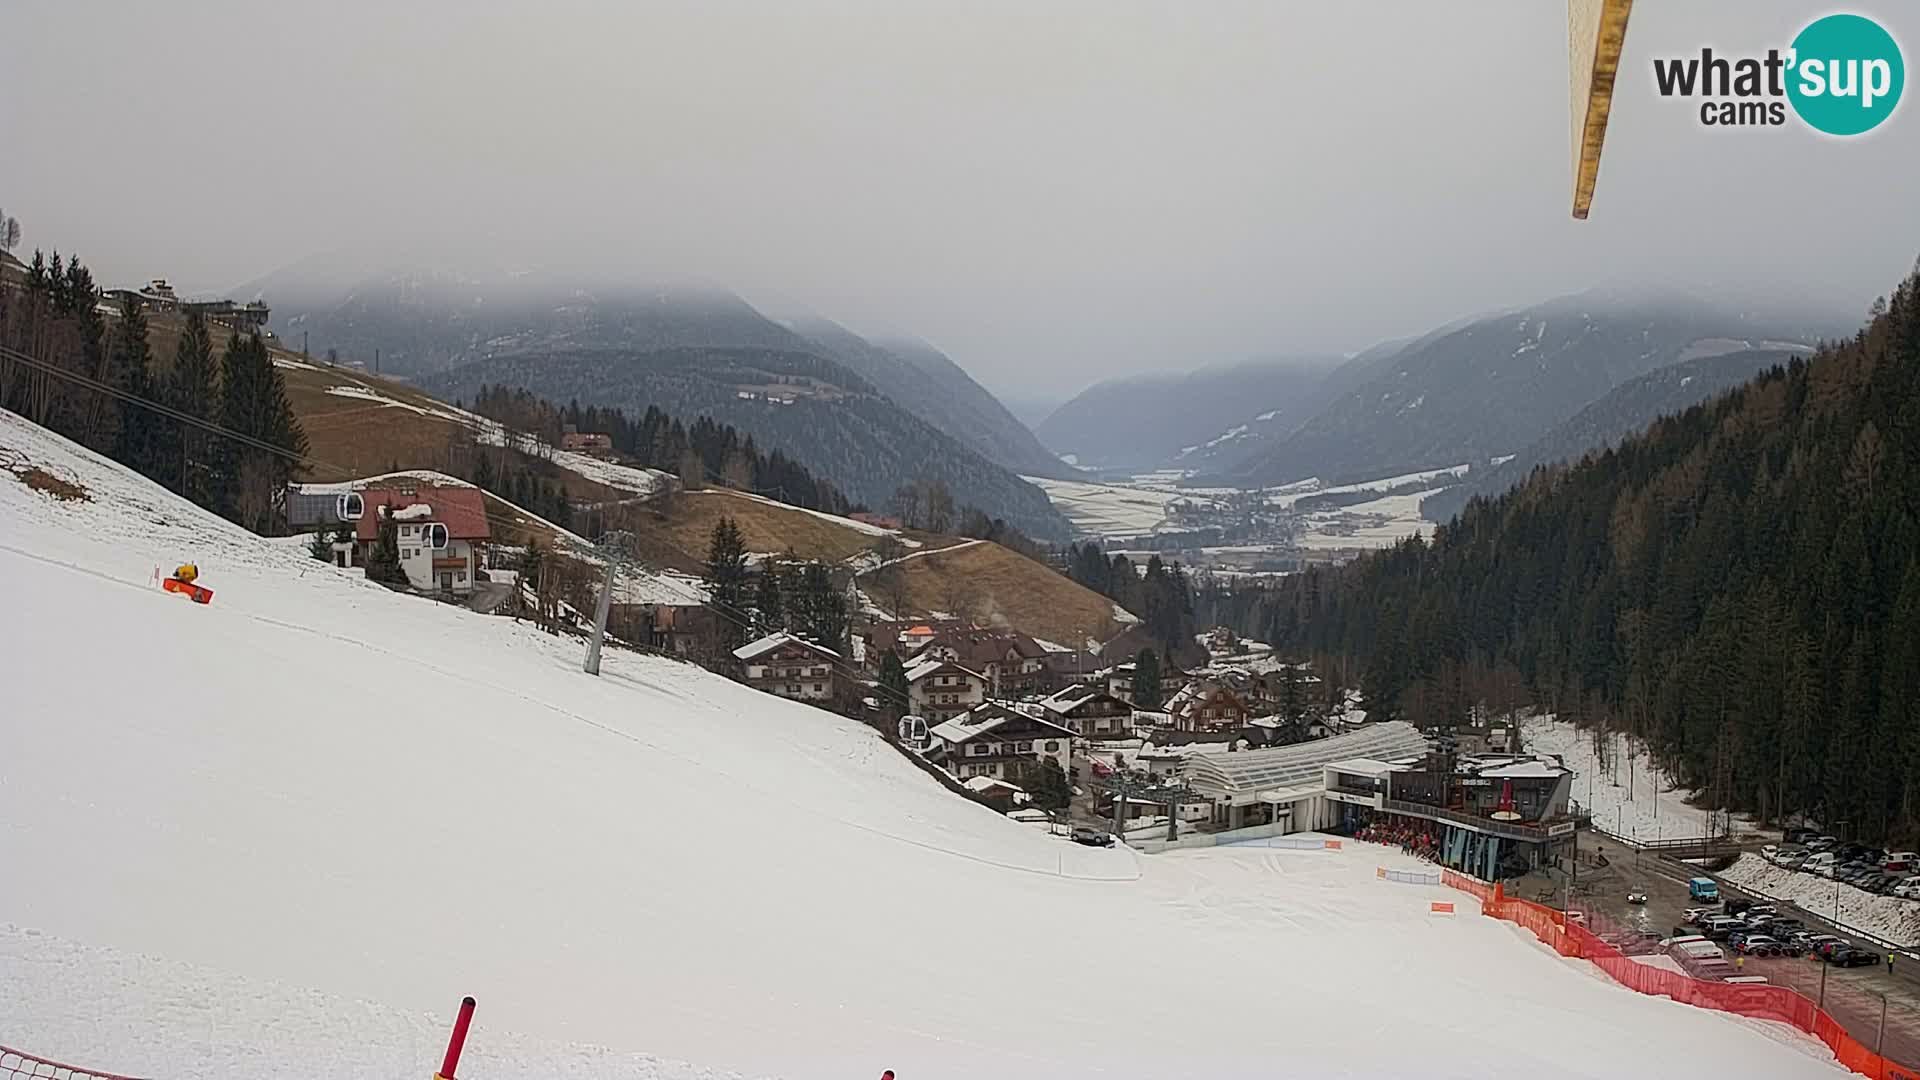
x,y
1511,830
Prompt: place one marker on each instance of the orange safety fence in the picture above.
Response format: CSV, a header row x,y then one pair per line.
x,y
1761,1000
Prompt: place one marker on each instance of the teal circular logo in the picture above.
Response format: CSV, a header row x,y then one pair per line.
x,y
1846,74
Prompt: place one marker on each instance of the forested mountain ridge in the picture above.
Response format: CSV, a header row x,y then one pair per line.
x,y
1493,386
926,382
818,413
1626,410
1739,586
1145,422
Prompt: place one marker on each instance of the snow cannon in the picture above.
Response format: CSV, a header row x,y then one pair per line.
x,y
185,581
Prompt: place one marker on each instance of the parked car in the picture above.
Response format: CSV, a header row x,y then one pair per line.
x,y
1821,844
1770,852
1826,949
1793,860
1853,957
1698,915
1718,927
1801,835
1092,837
1739,906
1897,861
1758,945
1820,862
1811,942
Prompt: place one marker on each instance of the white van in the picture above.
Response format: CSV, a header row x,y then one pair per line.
x,y
1821,864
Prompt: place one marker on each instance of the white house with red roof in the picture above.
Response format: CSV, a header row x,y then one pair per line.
x,y
442,532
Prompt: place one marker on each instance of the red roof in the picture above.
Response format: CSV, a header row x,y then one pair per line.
x,y
460,509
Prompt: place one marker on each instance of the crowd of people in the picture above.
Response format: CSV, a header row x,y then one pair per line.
x,y
1412,839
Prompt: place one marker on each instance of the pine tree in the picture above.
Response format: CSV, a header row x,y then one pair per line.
x,y
134,443
1046,784
726,580
383,562
769,614
250,482
1147,691
894,698
191,389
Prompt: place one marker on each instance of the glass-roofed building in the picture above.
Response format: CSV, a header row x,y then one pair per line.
x,y
1286,785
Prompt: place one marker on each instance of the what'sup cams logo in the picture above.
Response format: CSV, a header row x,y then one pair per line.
x,y
1842,75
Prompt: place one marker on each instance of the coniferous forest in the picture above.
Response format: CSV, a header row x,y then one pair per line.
x,y
93,378
699,452
1739,586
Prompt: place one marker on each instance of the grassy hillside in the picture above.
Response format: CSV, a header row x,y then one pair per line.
x,y
986,581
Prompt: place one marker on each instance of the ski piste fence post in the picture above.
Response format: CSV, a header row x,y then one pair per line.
x,y
1763,1001
457,1042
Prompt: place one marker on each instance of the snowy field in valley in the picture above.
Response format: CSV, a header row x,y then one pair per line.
x,y
1377,523
1890,918
1627,795
287,831
1143,506
1107,509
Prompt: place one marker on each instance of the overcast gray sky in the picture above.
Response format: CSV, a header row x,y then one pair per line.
x,y
1051,191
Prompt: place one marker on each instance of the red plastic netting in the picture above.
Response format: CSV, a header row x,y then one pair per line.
x,y
19,1065
1760,1000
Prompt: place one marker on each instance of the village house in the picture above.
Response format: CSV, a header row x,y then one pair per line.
x,y
585,442
441,531
1090,712
1120,681
996,741
904,637
939,690
789,667
999,795
1076,666
1014,664
1205,706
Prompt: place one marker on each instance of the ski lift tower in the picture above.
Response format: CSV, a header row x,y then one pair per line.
x,y
1125,787
616,548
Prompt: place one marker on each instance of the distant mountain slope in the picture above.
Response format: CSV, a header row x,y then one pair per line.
x,y
423,321
926,382
1626,410
1144,422
1494,386
832,421
863,417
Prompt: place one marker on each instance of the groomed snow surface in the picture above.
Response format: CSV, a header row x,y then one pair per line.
x,y
284,833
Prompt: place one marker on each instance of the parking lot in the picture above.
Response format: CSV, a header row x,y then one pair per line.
x,y
1853,996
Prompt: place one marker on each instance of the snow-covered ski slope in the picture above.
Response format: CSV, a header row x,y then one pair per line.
x,y
287,831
